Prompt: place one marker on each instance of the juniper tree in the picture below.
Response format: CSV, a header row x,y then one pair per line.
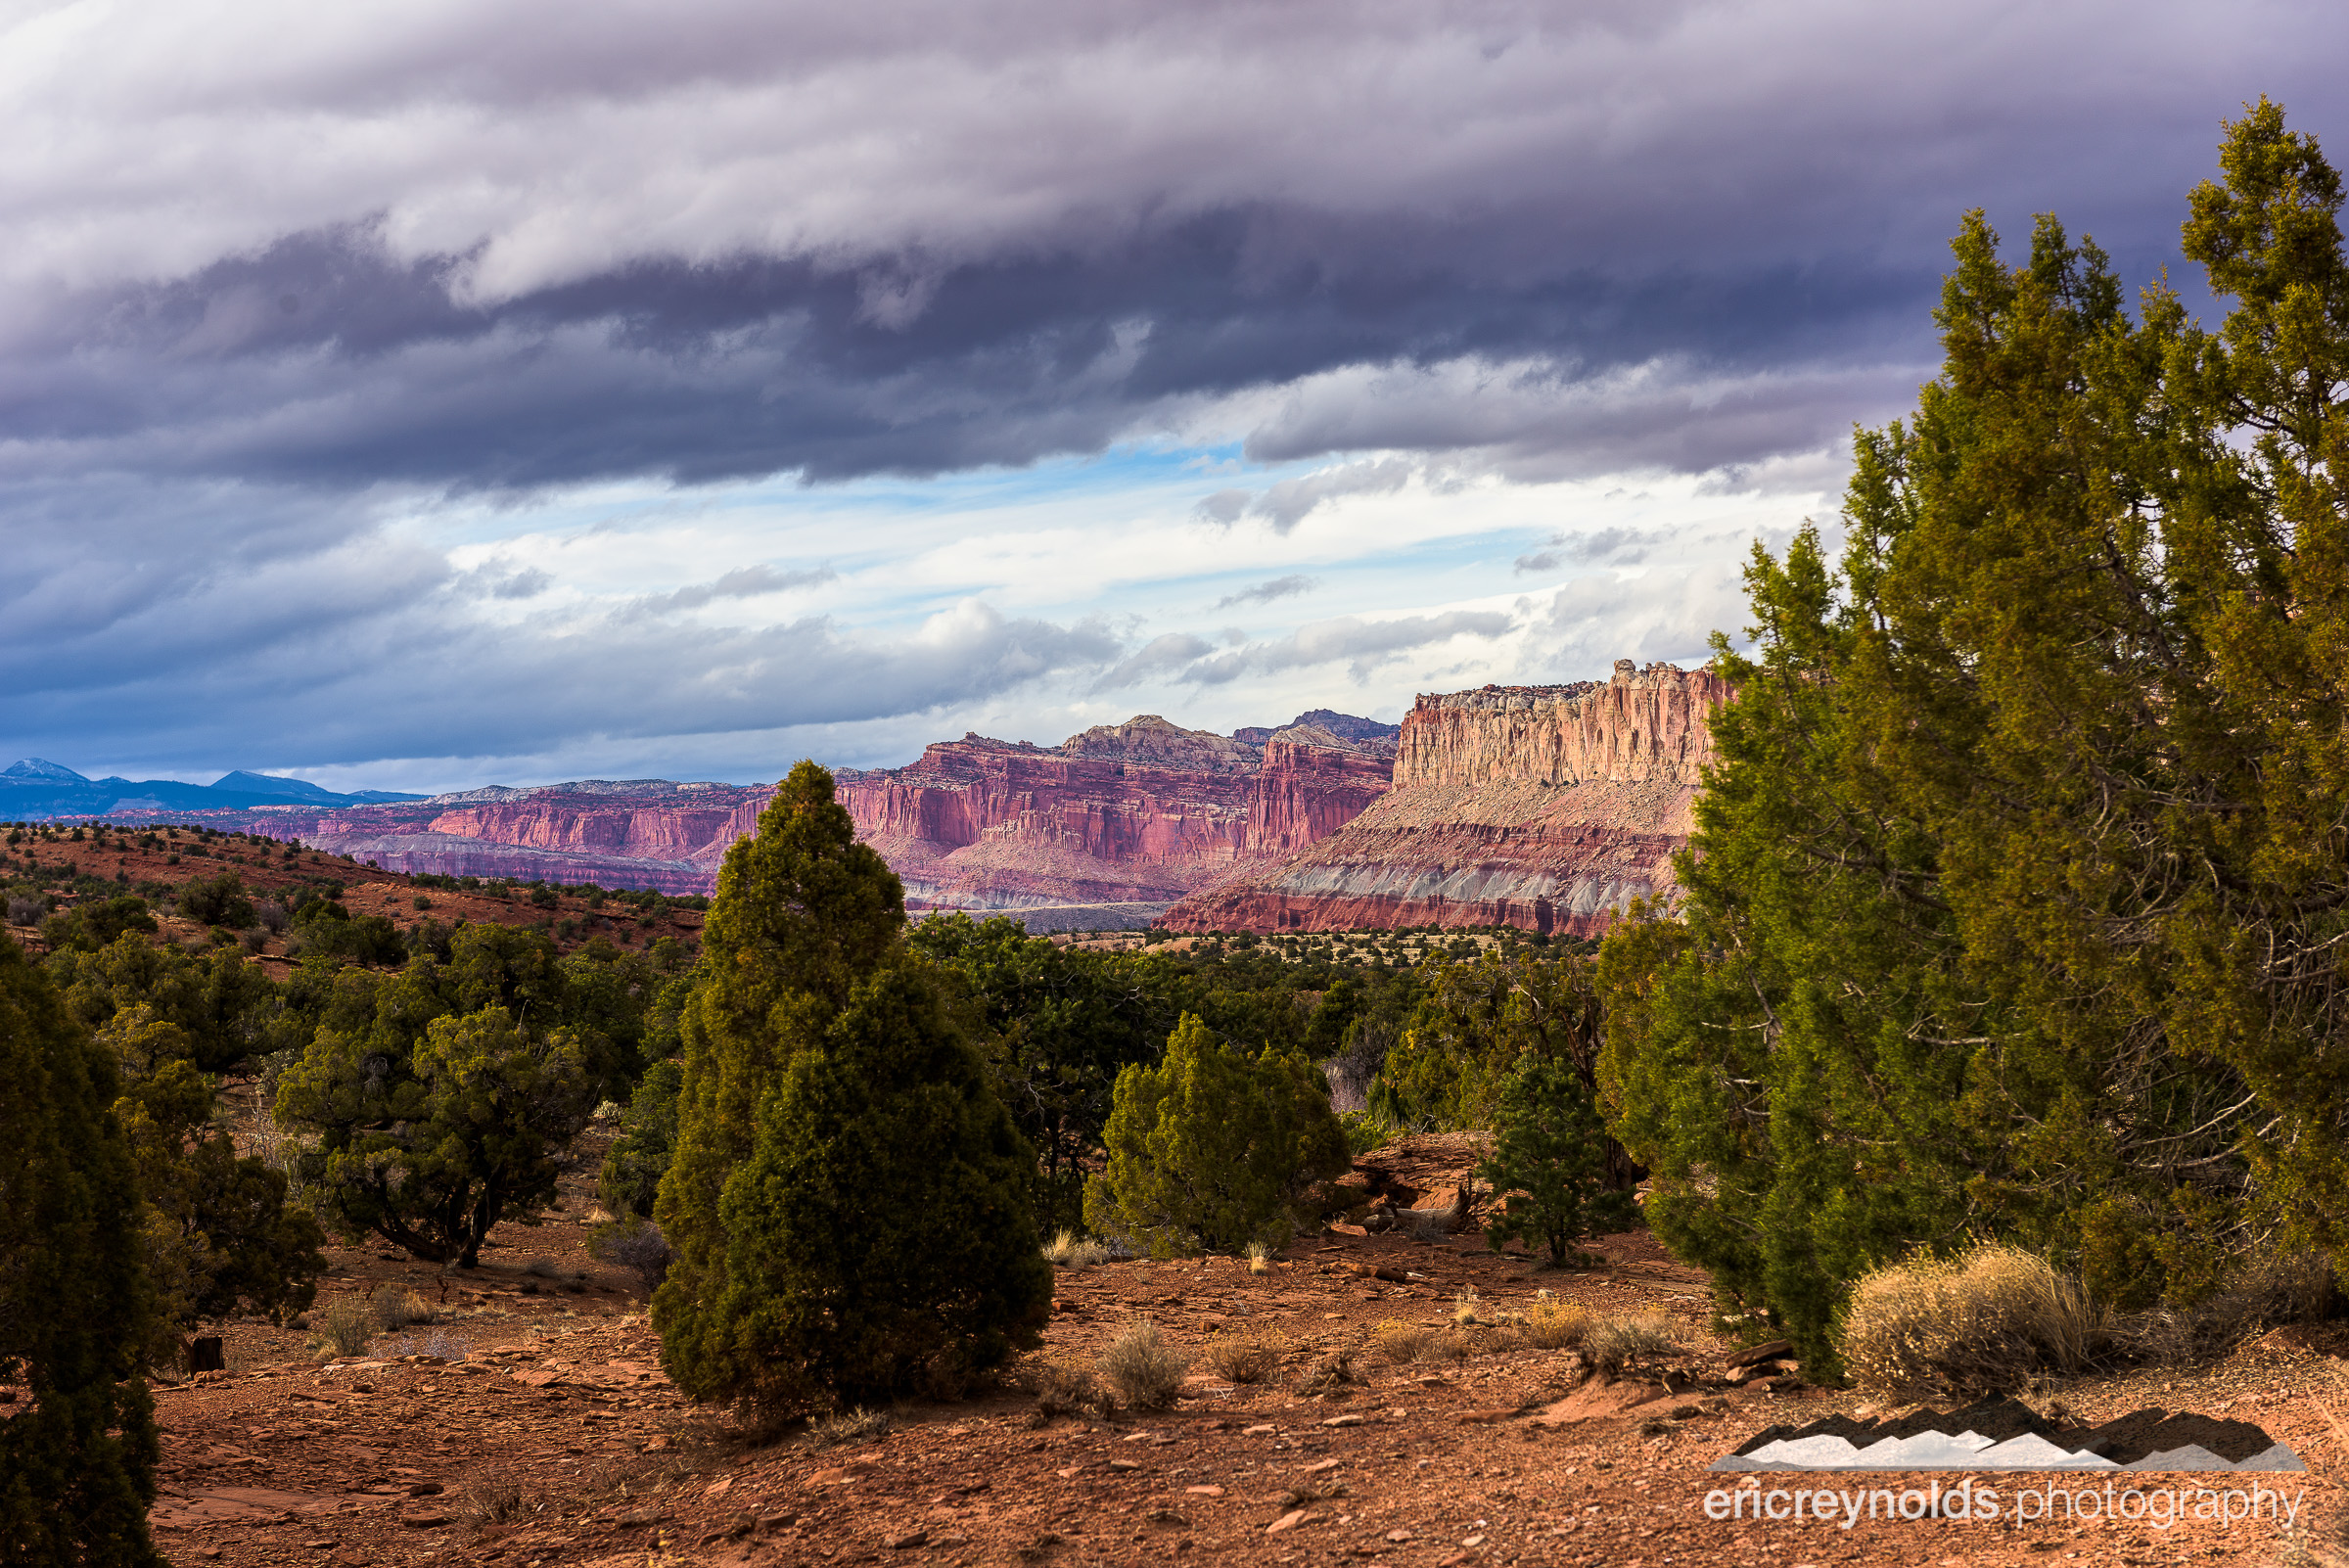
x,y
431,1144
849,1199
77,1462
1549,1164
2015,898
1212,1148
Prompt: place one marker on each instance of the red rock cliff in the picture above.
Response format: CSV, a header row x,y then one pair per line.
x,y
1135,814
1549,807
1139,813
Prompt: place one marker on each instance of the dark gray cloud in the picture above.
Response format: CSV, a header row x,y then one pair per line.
x,y
264,281
755,242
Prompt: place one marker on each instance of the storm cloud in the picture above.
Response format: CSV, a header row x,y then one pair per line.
x,y
282,280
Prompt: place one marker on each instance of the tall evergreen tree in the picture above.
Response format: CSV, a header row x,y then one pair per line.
x,y
78,1467
802,911
849,1201
2015,900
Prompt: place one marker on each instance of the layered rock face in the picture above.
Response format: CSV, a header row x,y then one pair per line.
x,y
1549,807
1117,823
639,833
1134,814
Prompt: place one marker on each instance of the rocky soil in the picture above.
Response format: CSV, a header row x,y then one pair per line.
x,y
539,1431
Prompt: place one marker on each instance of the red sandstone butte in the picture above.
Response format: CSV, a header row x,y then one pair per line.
x,y
1549,807
1138,813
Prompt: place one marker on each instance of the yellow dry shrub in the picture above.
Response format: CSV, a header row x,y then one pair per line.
x,y
1985,1322
1399,1343
1554,1325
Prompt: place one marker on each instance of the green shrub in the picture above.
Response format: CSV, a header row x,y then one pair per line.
x,y
640,1158
1212,1148
92,926
1549,1164
429,1146
1366,1130
78,1459
220,1236
217,901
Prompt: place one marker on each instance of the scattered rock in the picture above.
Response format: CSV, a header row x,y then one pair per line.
x,y
906,1542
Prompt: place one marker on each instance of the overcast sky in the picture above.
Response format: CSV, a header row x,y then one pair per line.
x,y
428,393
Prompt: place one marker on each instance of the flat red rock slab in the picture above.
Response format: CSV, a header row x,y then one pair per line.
x,y
1595,1400
223,1504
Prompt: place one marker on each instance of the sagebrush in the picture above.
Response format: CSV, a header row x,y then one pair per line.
x,y
1143,1368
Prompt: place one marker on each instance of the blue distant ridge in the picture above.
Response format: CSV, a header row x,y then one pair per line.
x,y
35,789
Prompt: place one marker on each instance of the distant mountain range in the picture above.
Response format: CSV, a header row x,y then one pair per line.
x,y
35,789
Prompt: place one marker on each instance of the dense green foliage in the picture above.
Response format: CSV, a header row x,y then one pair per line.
x,y
2016,902
1062,1025
1549,1161
431,1144
640,1156
220,1234
879,1238
1212,1148
1473,1024
77,1463
849,1203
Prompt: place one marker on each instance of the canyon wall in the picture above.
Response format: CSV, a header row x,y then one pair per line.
x,y
1111,826
1135,814
1549,807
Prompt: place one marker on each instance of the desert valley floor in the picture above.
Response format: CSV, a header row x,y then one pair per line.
x,y
531,1426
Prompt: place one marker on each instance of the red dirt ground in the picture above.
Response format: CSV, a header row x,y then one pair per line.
x,y
557,1440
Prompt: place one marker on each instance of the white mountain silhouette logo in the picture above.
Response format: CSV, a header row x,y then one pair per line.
x,y
2008,1435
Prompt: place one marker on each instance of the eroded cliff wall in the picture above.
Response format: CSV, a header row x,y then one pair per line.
x,y
1549,807
1134,814
1138,813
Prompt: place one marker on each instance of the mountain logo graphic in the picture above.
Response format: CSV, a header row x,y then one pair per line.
x,y
2008,1435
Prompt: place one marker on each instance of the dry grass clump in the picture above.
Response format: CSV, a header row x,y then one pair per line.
x,y
1554,1325
1619,1345
1260,1257
1250,1359
493,1502
1068,1250
858,1425
1987,1322
1469,1310
1146,1370
1399,1343
396,1307
344,1326
1331,1371
1064,1388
